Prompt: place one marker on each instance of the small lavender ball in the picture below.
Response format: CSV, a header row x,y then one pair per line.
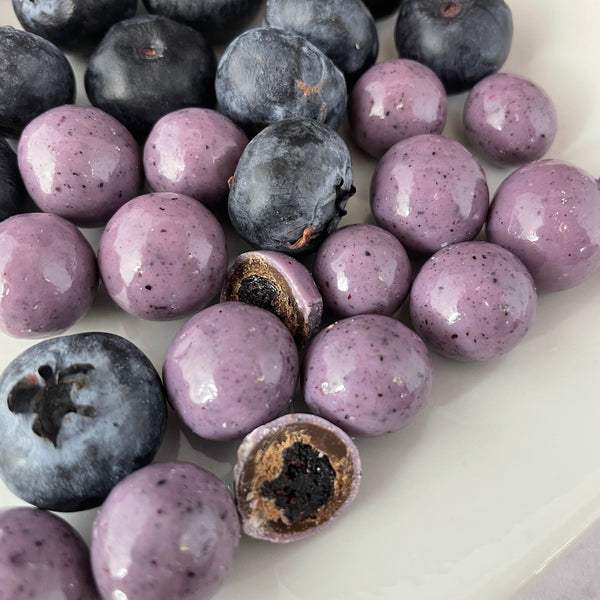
x,y
42,556
163,256
429,191
548,214
48,275
231,368
473,301
369,374
170,530
393,100
509,120
193,151
362,269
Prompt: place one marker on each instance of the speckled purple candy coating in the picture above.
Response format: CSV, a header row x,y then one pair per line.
x,y
362,269
42,556
230,368
258,529
169,530
548,214
509,120
193,151
393,100
473,301
368,374
429,191
80,163
48,275
163,256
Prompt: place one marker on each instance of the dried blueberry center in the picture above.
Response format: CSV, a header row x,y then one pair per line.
x,y
304,484
51,399
259,291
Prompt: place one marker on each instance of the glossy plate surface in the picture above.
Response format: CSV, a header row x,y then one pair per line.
x,y
502,470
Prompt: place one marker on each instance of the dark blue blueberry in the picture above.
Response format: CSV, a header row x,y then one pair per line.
x,y
218,20
462,41
267,74
382,8
77,414
148,66
291,186
343,29
34,77
12,190
72,24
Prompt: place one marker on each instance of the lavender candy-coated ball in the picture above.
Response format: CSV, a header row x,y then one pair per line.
x,y
393,100
280,284
294,476
48,275
169,530
362,269
163,256
193,151
473,301
509,120
80,163
42,556
548,214
369,374
429,191
231,368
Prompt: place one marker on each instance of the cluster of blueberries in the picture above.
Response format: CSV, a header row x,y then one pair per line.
x,y
308,305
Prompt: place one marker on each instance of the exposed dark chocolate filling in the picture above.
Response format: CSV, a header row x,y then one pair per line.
x,y
52,399
259,291
305,483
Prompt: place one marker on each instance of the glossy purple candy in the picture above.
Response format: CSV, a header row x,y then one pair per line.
x,y
48,275
548,214
80,163
280,284
429,191
193,151
231,367
42,556
393,100
509,120
473,301
368,374
163,256
169,530
362,268
294,476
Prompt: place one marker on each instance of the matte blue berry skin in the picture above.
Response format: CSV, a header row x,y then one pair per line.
x,y
12,190
77,414
461,41
268,74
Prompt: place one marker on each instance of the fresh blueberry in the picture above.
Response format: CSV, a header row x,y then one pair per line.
x,y
148,66
291,186
77,414
34,77
462,41
267,74
12,190
382,8
72,24
218,20
343,29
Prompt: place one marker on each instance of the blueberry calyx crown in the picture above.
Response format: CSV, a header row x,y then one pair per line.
x,y
50,399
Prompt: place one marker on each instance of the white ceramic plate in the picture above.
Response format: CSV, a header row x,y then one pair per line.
x,y
502,469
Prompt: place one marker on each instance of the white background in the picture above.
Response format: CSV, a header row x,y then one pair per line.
x,y
502,469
